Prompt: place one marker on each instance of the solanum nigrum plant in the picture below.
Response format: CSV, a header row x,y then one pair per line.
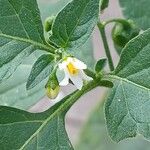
x,y
22,34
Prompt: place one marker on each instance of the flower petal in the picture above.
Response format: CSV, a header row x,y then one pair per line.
x,y
62,65
69,59
84,76
79,64
78,78
65,81
77,81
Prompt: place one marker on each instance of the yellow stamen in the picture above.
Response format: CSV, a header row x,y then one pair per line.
x,y
72,69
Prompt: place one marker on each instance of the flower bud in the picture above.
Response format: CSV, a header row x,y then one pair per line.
x,y
123,33
52,87
48,23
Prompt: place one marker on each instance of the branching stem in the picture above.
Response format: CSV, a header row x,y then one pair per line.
x,y
118,20
107,50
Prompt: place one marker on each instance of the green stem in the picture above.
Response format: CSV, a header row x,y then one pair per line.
x,y
107,50
88,87
90,73
48,48
118,20
64,105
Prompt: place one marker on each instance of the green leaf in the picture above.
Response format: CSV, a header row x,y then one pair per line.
x,y
75,23
49,8
23,130
85,53
22,19
128,105
94,136
100,65
21,33
41,70
138,11
13,91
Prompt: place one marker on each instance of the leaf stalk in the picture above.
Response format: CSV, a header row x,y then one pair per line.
x,y
107,50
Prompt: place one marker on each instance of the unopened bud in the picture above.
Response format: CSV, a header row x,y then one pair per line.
x,y
122,34
52,87
48,23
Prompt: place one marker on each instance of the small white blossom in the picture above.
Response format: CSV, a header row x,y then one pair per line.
x,y
73,69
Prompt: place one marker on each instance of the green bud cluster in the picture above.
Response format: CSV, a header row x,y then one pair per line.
x,y
123,33
48,23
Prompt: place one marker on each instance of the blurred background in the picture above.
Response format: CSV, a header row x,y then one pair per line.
x,y
85,122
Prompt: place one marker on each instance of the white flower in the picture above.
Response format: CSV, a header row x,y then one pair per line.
x,y
73,69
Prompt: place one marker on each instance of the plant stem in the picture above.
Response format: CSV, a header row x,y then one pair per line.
x,y
107,50
64,105
119,20
90,73
48,48
86,88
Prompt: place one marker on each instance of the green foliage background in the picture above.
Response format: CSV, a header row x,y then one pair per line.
x,y
94,135
21,34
